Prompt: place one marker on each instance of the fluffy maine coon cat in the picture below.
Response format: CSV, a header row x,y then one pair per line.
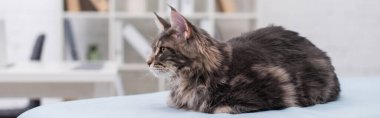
x,y
270,68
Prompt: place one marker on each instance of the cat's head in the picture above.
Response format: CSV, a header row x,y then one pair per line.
x,y
182,48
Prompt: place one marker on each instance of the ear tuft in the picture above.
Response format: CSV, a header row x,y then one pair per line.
x,y
161,23
172,8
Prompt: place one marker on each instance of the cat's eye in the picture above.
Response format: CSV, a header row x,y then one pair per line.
x,y
163,49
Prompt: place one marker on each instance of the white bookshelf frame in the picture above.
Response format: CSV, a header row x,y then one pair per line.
x,y
115,21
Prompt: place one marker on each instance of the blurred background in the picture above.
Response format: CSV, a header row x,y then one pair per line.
x,y
60,50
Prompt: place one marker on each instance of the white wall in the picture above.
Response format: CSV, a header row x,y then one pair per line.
x,y
25,20
348,30
2,42
2,33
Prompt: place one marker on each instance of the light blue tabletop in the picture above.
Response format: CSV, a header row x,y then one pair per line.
x,y
360,98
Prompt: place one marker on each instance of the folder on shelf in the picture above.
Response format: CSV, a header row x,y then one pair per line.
x,y
137,41
100,5
69,39
38,48
86,5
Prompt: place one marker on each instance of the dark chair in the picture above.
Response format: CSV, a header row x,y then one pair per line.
x,y
36,56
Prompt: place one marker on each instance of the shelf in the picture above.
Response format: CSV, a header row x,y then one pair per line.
x,y
86,15
197,16
134,67
125,15
148,15
235,16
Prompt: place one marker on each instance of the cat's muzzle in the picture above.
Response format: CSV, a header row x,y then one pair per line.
x,y
161,71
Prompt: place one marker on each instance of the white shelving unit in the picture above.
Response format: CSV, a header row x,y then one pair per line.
x,y
114,48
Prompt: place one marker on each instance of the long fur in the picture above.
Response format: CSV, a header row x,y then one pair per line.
x,y
270,68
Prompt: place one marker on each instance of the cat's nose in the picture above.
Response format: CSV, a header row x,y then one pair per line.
x,y
149,62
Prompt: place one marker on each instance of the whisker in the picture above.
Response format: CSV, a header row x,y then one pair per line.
x,y
146,74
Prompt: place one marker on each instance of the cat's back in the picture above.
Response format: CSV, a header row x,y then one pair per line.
x,y
272,45
270,37
275,41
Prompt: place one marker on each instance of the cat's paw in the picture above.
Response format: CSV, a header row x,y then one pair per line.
x,y
170,103
223,109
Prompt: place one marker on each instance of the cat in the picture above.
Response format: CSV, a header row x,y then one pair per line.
x,y
268,69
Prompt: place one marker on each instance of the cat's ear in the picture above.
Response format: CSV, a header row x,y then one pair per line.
x,y
180,23
161,23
